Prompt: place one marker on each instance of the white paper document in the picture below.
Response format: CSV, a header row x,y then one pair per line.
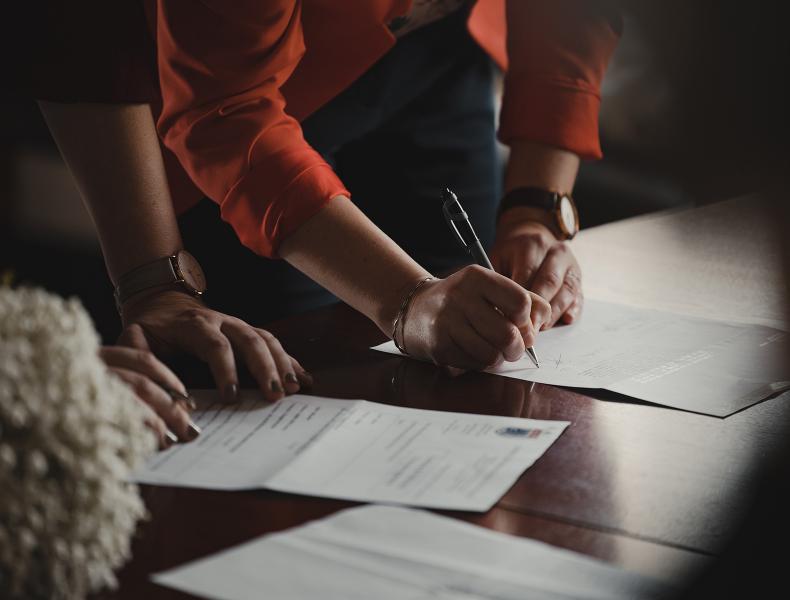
x,y
699,365
392,553
354,450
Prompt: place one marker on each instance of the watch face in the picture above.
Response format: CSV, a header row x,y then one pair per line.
x,y
569,220
191,272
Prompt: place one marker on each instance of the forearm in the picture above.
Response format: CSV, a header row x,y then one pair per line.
x,y
341,249
113,154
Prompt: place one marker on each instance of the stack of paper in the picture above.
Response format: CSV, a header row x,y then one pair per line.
x,y
390,553
354,450
699,365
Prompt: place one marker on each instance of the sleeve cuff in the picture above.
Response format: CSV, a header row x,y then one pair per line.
x,y
262,225
554,112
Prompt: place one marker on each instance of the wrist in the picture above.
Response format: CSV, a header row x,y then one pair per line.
x,y
389,308
156,297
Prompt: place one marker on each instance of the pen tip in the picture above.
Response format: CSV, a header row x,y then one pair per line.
x,y
447,194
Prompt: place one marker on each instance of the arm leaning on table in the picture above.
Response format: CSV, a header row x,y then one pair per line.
x,y
221,66
557,54
113,153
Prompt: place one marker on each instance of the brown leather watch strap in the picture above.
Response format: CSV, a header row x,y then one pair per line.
x,y
156,273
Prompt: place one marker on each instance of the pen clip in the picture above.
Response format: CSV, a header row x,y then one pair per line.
x,y
450,218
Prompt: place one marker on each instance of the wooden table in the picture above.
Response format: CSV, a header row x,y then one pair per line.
x,y
652,489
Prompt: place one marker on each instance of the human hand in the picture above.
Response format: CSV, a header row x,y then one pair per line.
x,y
473,319
159,390
527,252
171,321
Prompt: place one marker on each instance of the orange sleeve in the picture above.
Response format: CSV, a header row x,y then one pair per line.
x,y
221,65
557,55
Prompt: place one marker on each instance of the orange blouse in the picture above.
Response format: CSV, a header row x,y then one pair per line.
x,y
237,77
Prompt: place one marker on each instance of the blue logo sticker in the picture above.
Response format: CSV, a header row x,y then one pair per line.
x,y
519,432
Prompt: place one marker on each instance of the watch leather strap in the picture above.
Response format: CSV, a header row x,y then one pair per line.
x,y
529,196
547,200
156,273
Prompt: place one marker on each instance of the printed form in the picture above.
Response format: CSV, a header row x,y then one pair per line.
x,y
354,450
394,553
700,365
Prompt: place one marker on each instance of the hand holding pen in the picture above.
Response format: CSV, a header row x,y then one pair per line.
x,y
459,222
472,319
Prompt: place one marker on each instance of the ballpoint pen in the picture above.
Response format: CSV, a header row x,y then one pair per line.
x,y
458,221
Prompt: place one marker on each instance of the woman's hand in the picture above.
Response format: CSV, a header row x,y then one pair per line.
x,y
473,319
158,389
528,253
171,321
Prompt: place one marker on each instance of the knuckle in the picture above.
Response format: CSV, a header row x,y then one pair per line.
x,y
523,303
146,358
552,279
249,338
194,315
266,335
144,387
540,242
573,285
217,343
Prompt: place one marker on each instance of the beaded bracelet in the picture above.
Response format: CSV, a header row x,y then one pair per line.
x,y
400,318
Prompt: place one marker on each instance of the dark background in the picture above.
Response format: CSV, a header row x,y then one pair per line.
x,y
695,109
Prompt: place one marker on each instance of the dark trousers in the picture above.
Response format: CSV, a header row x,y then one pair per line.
x,y
420,119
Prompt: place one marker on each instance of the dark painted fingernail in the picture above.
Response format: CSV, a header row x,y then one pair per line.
x,y
291,378
176,395
172,438
190,402
230,393
193,430
276,387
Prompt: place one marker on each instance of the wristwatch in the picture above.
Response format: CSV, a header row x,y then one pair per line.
x,y
181,271
565,217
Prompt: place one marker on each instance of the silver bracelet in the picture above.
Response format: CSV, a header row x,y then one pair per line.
x,y
400,318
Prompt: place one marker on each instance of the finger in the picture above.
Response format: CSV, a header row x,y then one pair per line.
x,y
156,425
133,336
213,348
551,274
283,361
540,311
559,304
172,413
574,311
304,377
143,362
257,357
565,297
452,354
527,262
498,331
501,292
476,346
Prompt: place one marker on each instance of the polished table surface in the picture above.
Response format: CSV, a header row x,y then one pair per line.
x,y
652,489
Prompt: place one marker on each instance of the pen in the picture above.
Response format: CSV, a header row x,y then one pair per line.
x,y
458,221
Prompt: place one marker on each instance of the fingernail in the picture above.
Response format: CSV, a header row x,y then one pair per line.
x,y
175,394
291,378
193,430
172,438
308,375
276,387
230,393
187,403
